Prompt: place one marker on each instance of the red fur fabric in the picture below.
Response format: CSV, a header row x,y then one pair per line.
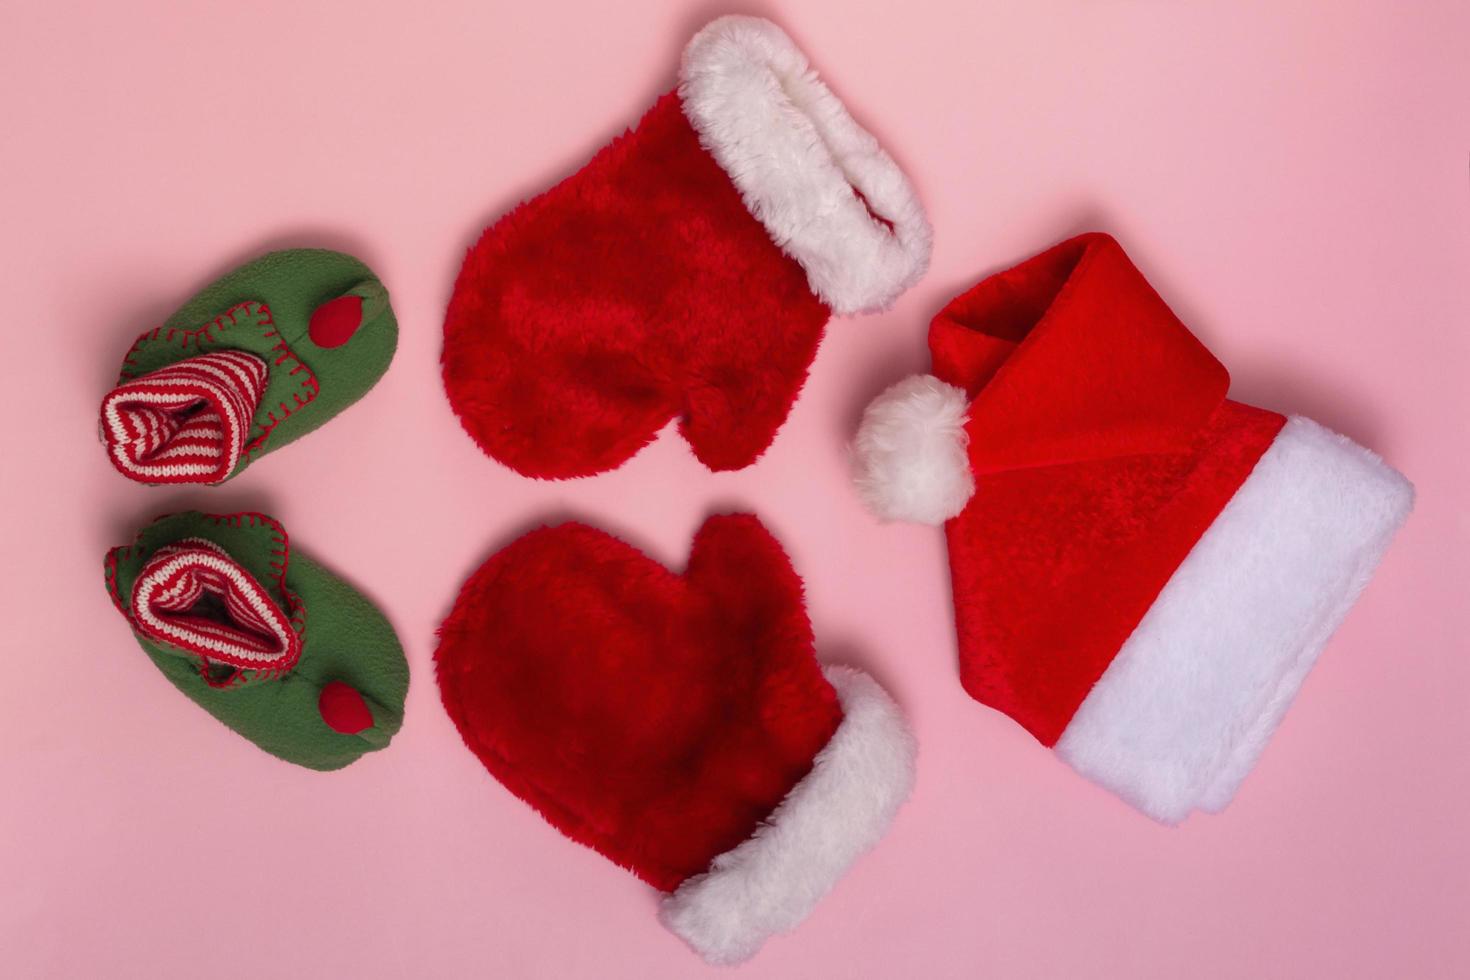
x,y
1103,448
655,717
638,290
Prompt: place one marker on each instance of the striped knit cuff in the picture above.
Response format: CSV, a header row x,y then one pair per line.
x,y
193,597
186,422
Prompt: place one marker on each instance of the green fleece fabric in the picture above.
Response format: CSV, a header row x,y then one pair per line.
x,y
345,639
292,283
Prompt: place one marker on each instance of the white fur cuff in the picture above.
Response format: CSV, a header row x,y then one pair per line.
x,y
1184,710
804,167
772,881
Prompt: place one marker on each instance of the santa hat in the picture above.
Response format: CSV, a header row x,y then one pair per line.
x,y
687,272
678,724
1144,571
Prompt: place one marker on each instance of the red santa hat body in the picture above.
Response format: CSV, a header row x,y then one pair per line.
x,y
678,724
1144,571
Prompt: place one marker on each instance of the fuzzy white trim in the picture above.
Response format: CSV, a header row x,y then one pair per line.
x,y
1183,712
771,881
909,458
797,157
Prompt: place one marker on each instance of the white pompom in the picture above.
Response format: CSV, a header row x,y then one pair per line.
x,y
910,462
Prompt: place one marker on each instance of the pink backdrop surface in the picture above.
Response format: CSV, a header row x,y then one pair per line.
x,y
1291,175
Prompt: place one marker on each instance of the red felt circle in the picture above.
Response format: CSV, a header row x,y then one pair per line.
x,y
335,321
343,709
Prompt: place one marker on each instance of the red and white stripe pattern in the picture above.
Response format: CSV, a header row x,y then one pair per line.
x,y
186,422
246,629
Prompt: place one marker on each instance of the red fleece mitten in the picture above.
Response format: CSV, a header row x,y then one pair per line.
x,y
678,724
686,272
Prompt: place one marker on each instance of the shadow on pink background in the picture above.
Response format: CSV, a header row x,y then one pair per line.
x,y
1293,178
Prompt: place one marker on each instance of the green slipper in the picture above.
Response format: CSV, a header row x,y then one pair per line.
x,y
270,643
253,362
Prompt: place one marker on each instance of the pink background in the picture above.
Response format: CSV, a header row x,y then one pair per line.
x,y
1293,178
